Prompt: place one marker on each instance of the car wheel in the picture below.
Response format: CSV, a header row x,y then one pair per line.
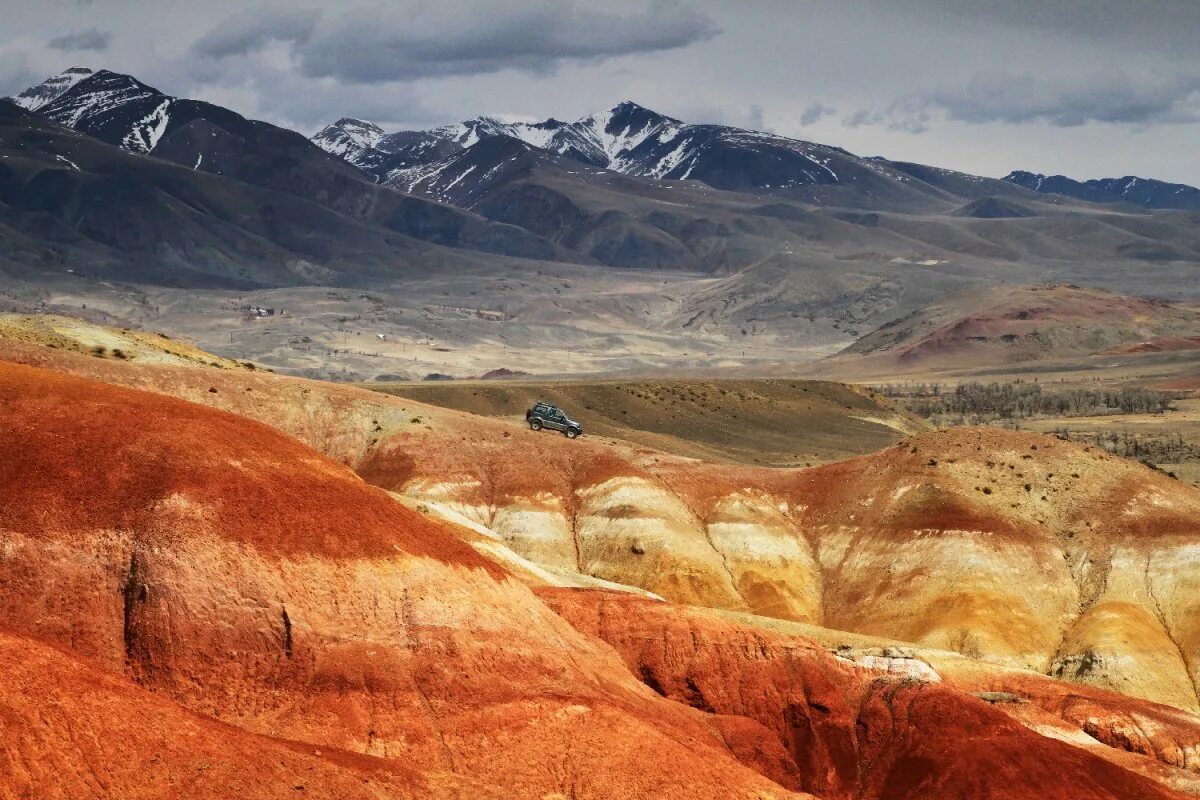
x,y
535,424
571,433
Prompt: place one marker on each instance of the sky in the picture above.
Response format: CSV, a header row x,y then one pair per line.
x,y
1085,88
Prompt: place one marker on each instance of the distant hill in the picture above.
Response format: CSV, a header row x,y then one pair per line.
x,y
776,245
1144,192
1009,324
994,208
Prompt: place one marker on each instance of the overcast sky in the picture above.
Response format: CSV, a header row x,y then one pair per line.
x,y
1087,88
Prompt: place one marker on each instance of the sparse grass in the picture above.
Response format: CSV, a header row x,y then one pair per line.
x,y
774,422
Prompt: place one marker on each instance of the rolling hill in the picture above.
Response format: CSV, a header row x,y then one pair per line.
x,y
767,422
305,626
1013,324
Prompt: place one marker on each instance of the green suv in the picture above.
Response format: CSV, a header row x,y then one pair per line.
x,y
544,415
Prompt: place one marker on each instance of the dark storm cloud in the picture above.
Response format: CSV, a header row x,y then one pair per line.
x,y
1107,98
91,39
407,41
253,28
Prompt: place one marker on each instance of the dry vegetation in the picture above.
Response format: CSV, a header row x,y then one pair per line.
x,y
976,403
1158,428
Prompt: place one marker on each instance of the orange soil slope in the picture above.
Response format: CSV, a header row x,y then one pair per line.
x,y
72,731
354,649
348,624
78,455
866,737
1017,548
241,576
935,546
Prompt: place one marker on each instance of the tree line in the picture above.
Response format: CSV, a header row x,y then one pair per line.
x,y
977,403
1149,448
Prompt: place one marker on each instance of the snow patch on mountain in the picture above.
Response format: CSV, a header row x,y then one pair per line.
x,y
145,133
621,129
45,92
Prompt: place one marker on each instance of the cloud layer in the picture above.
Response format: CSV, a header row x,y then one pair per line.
x,y
415,40
1103,97
1085,87
90,39
253,28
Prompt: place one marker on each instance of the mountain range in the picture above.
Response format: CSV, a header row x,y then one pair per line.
x,y
801,243
222,201
631,140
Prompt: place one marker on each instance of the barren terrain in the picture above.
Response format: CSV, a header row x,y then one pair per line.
x,y
974,613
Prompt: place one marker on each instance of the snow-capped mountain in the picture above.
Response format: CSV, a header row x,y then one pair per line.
x,y
35,97
350,139
123,111
1145,192
600,139
190,190
116,108
473,173
273,210
636,141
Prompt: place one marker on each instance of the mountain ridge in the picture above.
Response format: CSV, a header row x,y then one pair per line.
x,y
1144,192
633,140
67,197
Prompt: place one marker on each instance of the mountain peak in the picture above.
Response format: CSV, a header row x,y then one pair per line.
x,y
37,96
629,110
353,122
627,106
112,77
349,138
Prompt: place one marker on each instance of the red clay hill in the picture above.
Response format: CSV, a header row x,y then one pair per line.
x,y
193,603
